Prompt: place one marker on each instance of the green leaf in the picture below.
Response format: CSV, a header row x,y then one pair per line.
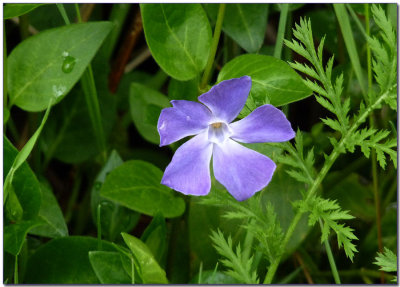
x,y
15,10
244,23
178,36
187,90
108,267
114,217
24,184
51,215
155,237
14,235
64,260
151,272
273,81
136,185
146,105
51,62
387,261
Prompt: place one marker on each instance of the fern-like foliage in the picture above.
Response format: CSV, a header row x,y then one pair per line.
x,y
263,224
330,212
258,220
387,261
302,166
328,91
385,55
239,266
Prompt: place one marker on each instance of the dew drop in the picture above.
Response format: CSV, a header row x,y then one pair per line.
x,y
187,118
68,64
58,90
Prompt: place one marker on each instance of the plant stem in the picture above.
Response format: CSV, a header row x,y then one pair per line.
x,y
330,258
281,30
327,165
16,270
99,242
63,13
214,46
373,153
78,13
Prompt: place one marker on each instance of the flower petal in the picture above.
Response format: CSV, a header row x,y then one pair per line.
x,y
264,124
241,170
185,118
189,170
227,99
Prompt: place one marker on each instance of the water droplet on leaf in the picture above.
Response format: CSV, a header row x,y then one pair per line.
x,y
68,64
58,90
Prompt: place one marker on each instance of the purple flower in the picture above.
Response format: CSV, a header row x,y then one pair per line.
x,y
241,170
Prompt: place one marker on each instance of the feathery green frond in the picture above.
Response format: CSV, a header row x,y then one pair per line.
x,y
239,266
330,212
387,261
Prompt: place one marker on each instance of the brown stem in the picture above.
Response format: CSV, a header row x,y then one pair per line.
x,y
304,267
86,11
125,52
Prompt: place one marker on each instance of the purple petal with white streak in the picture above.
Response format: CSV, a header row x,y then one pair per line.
x,y
228,98
189,170
241,170
264,124
185,118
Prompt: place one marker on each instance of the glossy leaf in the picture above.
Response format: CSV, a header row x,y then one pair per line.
x,y
14,235
64,261
51,62
146,105
136,185
183,90
51,215
244,23
273,80
108,267
25,184
178,36
151,272
15,10
114,217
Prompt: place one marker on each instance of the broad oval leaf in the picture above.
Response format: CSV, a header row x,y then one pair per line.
x,y
50,212
151,272
50,63
15,10
244,23
14,235
273,80
136,185
108,267
178,36
64,260
145,106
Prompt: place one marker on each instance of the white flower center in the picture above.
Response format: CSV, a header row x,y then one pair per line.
x,y
218,132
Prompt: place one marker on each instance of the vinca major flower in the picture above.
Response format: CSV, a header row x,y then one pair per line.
x,y
242,171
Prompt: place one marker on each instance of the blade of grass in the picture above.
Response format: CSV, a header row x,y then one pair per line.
x,y
24,153
345,27
281,30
